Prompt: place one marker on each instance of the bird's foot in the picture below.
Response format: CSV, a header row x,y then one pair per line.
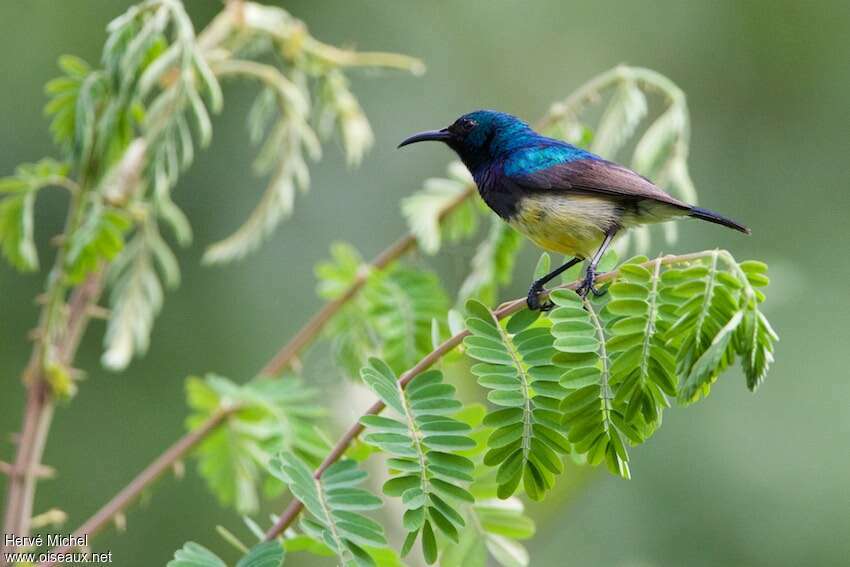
x,y
533,299
587,285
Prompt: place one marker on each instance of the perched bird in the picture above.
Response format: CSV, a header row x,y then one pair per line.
x,y
565,199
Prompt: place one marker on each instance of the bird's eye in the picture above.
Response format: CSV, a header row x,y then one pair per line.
x,y
462,125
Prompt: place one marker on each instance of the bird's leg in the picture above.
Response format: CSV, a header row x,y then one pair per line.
x,y
590,275
533,299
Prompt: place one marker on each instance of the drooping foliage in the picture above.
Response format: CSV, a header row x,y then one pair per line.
x,y
128,129
719,304
266,417
392,318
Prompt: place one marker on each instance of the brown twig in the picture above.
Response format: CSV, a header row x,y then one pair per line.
x,y
153,471
21,487
38,413
295,506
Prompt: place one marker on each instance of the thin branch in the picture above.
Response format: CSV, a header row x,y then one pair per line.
x,y
285,29
39,411
153,471
21,486
508,308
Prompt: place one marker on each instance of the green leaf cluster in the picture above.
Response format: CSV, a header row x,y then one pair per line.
x,y
718,319
336,507
428,474
272,415
136,280
305,96
392,318
130,128
663,332
64,95
401,304
754,338
595,376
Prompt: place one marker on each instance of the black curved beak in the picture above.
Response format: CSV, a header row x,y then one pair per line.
x,y
429,136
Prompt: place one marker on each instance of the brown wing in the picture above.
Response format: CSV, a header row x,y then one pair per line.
x,y
596,176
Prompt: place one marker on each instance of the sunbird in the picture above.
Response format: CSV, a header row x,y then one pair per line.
x,y
563,198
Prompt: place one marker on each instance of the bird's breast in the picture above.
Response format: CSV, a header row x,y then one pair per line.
x,y
568,224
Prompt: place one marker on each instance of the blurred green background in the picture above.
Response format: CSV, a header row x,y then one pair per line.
x,y
737,480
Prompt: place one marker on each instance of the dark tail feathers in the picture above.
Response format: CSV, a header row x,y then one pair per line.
x,y
711,216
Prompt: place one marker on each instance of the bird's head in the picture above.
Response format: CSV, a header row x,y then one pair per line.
x,y
479,136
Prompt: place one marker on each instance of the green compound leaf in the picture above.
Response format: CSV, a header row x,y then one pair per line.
x,y
595,427
708,313
137,277
353,336
64,94
266,554
755,338
335,505
526,444
428,473
643,368
195,555
401,304
395,317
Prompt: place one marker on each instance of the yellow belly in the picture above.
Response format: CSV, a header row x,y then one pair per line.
x,y
573,225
